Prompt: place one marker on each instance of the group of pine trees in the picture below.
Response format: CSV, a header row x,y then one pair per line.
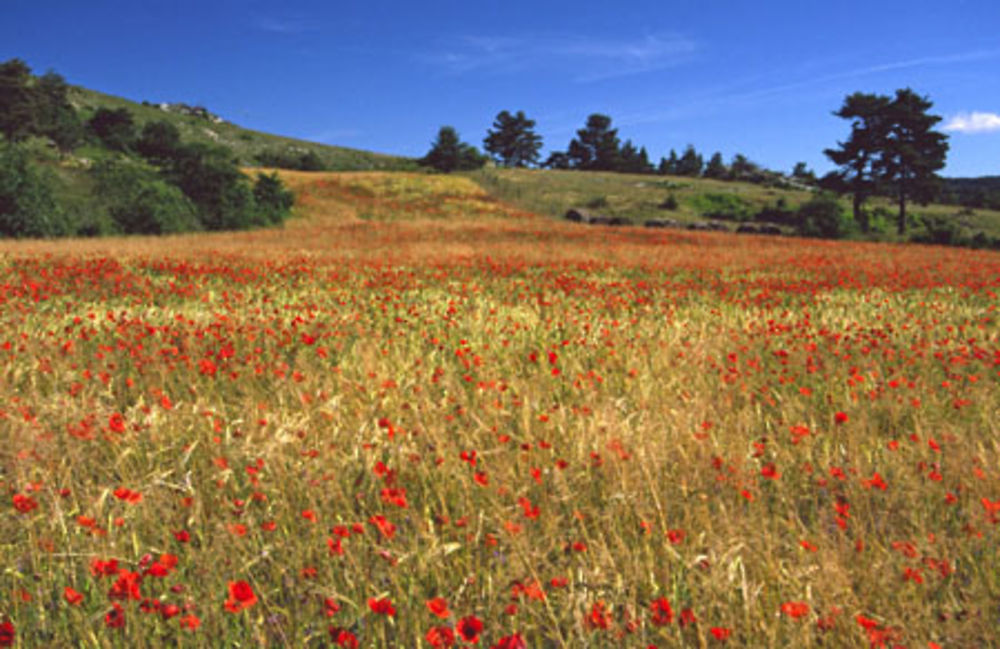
x,y
143,180
892,150
513,142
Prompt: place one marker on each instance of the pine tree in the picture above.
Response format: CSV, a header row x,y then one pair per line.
x,y
596,147
513,142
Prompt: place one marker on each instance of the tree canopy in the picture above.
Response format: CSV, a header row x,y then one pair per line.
x,y
448,153
891,147
512,141
596,146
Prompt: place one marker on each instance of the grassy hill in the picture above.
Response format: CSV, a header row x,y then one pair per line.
x,y
640,198
245,144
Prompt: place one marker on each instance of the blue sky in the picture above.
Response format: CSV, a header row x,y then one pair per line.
x,y
758,78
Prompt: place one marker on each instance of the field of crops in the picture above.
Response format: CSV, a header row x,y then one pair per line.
x,y
429,427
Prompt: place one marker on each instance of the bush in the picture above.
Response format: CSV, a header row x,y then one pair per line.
x,y
27,206
307,161
274,202
159,142
823,217
597,202
114,128
669,203
727,207
140,202
941,230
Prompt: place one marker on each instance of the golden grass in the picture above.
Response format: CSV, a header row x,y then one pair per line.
x,y
556,429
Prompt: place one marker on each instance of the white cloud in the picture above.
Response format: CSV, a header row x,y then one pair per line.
x,y
974,122
595,58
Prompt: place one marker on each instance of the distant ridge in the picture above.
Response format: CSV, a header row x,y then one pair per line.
x,y
199,124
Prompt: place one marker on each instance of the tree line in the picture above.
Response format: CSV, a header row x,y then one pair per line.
x,y
892,151
513,142
144,181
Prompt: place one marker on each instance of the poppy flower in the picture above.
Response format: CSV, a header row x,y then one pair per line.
x,y
439,607
795,610
115,618
190,622
440,636
469,628
72,596
720,633
840,417
514,641
661,614
241,596
381,606
7,634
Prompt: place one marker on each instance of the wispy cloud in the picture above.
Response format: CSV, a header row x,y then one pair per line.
x,y
592,59
333,135
283,25
751,92
974,122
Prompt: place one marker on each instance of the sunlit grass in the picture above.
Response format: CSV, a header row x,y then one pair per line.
x,y
575,437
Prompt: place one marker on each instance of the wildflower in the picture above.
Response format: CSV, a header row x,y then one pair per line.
x,y
72,596
514,641
115,618
795,610
7,634
469,628
241,596
661,614
439,607
24,504
440,636
840,418
720,633
190,622
381,606
343,638
116,423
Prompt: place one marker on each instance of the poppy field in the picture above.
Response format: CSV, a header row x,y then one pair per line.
x,y
484,428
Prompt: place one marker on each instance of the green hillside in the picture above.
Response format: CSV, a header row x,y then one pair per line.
x,y
245,144
642,197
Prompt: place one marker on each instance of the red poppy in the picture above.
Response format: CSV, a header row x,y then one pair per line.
x,y
343,638
794,610
439,607
115,618
190,622
440,636
381,606
7,634
73,597
241,596
514,641
24,504
469,628
661,614
116,423
840,417
720,633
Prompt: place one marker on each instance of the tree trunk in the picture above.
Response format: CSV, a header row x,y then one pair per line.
x,y
901,224
859,215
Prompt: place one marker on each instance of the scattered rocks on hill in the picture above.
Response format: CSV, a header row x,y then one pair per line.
x,y
662,223
192,111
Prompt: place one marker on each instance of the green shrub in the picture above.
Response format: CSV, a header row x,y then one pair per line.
x,y
274,201
597,202
669,203
823,217
114,128
139,201
728,207
27,206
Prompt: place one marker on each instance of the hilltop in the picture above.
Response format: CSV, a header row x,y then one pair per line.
x,y
199,125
